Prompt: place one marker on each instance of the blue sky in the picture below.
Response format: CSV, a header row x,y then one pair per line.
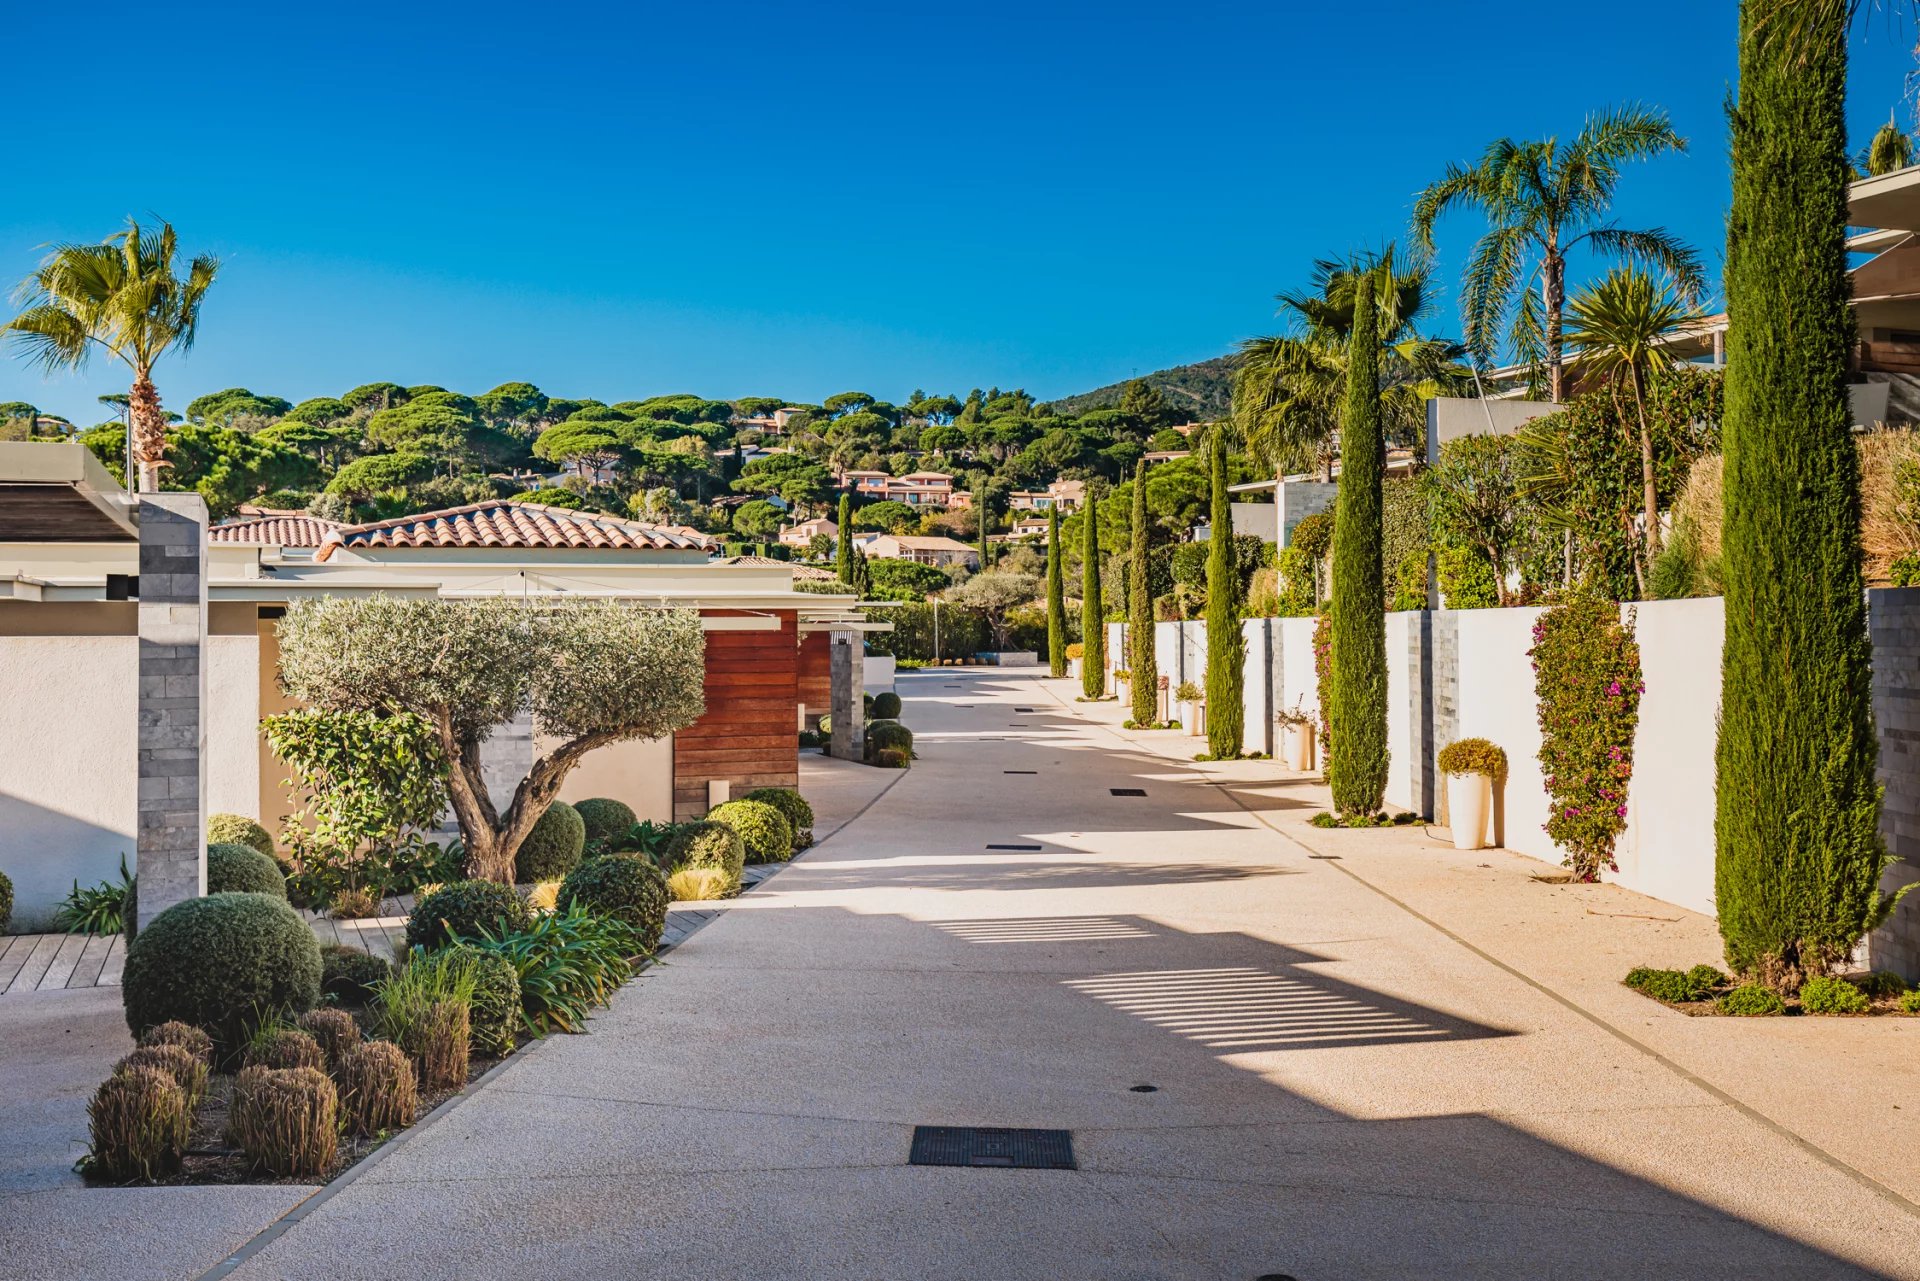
x,y
616,200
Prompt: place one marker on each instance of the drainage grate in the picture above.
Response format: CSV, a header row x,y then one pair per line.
x,y
1013,847
1019,771
1333,858
1023,709
990,1147
1128,791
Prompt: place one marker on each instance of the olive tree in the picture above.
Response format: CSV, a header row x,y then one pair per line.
x,y
590,672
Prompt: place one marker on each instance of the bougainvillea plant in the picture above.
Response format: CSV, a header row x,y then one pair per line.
x,y
1586,673
1323,673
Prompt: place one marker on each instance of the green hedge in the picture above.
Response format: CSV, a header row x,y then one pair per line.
x,y
462,909
625,887
605,820
245,870
238,829
763,829
553,847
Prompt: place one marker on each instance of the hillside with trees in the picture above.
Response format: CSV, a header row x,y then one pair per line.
x,y
1202,392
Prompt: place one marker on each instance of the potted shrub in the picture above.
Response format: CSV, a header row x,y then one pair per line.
x,y
1123,685
1471,765
1301,733
1193,707
1075,652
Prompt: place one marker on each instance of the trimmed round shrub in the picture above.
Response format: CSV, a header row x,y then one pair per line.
x,y
763,829
242,869
1823,995
185,1035
706,844
223,963
494,1012
377,1087
287,1121
890,735
887,705
334,1031
1473,756
798,812
458,911
891,758
6,900
605,820
284,1048
625,887
1751,1001
826,728
349,975
238,829
138,1122
553,847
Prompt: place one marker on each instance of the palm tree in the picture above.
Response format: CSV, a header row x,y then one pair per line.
x,y
1542,200
1891,149
1288,388
1620,328
122,297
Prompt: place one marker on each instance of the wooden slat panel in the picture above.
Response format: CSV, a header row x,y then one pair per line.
x,y
116,963
45,948
92,961
64,962
19,947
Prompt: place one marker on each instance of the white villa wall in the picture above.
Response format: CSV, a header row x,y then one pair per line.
x,y
1256,691
1400,708
1299,686
1495,702
638,772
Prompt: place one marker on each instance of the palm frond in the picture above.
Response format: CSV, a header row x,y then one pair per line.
x,y
1655,249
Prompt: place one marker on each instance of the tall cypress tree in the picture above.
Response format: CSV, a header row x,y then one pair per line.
x,y
843,559
1357,620
1798,853
1056,598
1226,648
1142,661
980,515
1093,631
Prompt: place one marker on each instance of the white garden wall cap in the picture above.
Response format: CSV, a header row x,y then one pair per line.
x,y
502,523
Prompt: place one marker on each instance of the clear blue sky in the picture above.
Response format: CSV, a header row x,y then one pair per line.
x,y
617,200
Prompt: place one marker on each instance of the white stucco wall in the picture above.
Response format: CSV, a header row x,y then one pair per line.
x,y
1400,708
1256,690
233,725
638,772
1496,703
1299,687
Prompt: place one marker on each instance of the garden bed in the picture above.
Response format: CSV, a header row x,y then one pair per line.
x,y
1704,992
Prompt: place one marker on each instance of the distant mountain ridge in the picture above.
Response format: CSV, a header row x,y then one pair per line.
x,y
1204,391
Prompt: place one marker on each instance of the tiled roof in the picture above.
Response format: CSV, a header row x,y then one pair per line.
x,y
294,530
507,524
811,573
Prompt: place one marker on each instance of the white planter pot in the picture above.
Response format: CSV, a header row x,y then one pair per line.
x,y
1300,741
1469,804
1124,690
1073,668
1194,717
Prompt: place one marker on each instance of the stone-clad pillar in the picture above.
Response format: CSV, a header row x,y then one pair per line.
x,y
849,739
172,740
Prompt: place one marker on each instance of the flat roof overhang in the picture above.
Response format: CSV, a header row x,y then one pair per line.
x,y
57,492
1890,201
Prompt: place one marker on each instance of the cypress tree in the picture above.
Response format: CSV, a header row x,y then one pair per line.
x,y
1226,648
862,574
980,515
1141,659
1798,853
843,559
1357,620
1093,632
1056,598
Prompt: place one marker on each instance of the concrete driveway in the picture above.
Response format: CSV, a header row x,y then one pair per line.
x,y
1338,1090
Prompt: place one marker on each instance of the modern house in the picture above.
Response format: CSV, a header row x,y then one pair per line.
x,y
138,653
916,489
1067,495
925,550
802,535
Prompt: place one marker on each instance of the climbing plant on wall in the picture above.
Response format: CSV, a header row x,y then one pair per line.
x,y
1587,682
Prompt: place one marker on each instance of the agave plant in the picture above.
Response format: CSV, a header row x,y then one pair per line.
x,y
98,909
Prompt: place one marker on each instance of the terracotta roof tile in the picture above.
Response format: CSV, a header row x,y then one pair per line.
x,y
811,573
297,530
508,524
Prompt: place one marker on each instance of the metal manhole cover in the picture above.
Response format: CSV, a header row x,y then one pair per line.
x,y
989,1146
1128,791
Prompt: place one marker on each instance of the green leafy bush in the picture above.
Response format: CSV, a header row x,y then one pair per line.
x,y
138,1124
798,812
605,820
886,705
892,758
622,887
101,909
705,844
1466,579
460,910
1751,1001
1473,756
1188,692
1822,994
889,736
1706,977
763,829
286,1121
647,837
1910,1001
1881,983
1586,667
378,1091
495,1004
567,963
553,847
426,1009
1671,985
349,975
224,963
237,829
242,869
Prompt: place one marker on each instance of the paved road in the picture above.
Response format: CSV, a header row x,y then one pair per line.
x,y
1338,1091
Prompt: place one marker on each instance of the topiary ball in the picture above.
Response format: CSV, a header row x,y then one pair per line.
x,y
349,975
705,844
623,887
242,869
886,706
798,813
891,758
494,1012
763,829
606,820
553,847
238,829
889,735
222,963
459,911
